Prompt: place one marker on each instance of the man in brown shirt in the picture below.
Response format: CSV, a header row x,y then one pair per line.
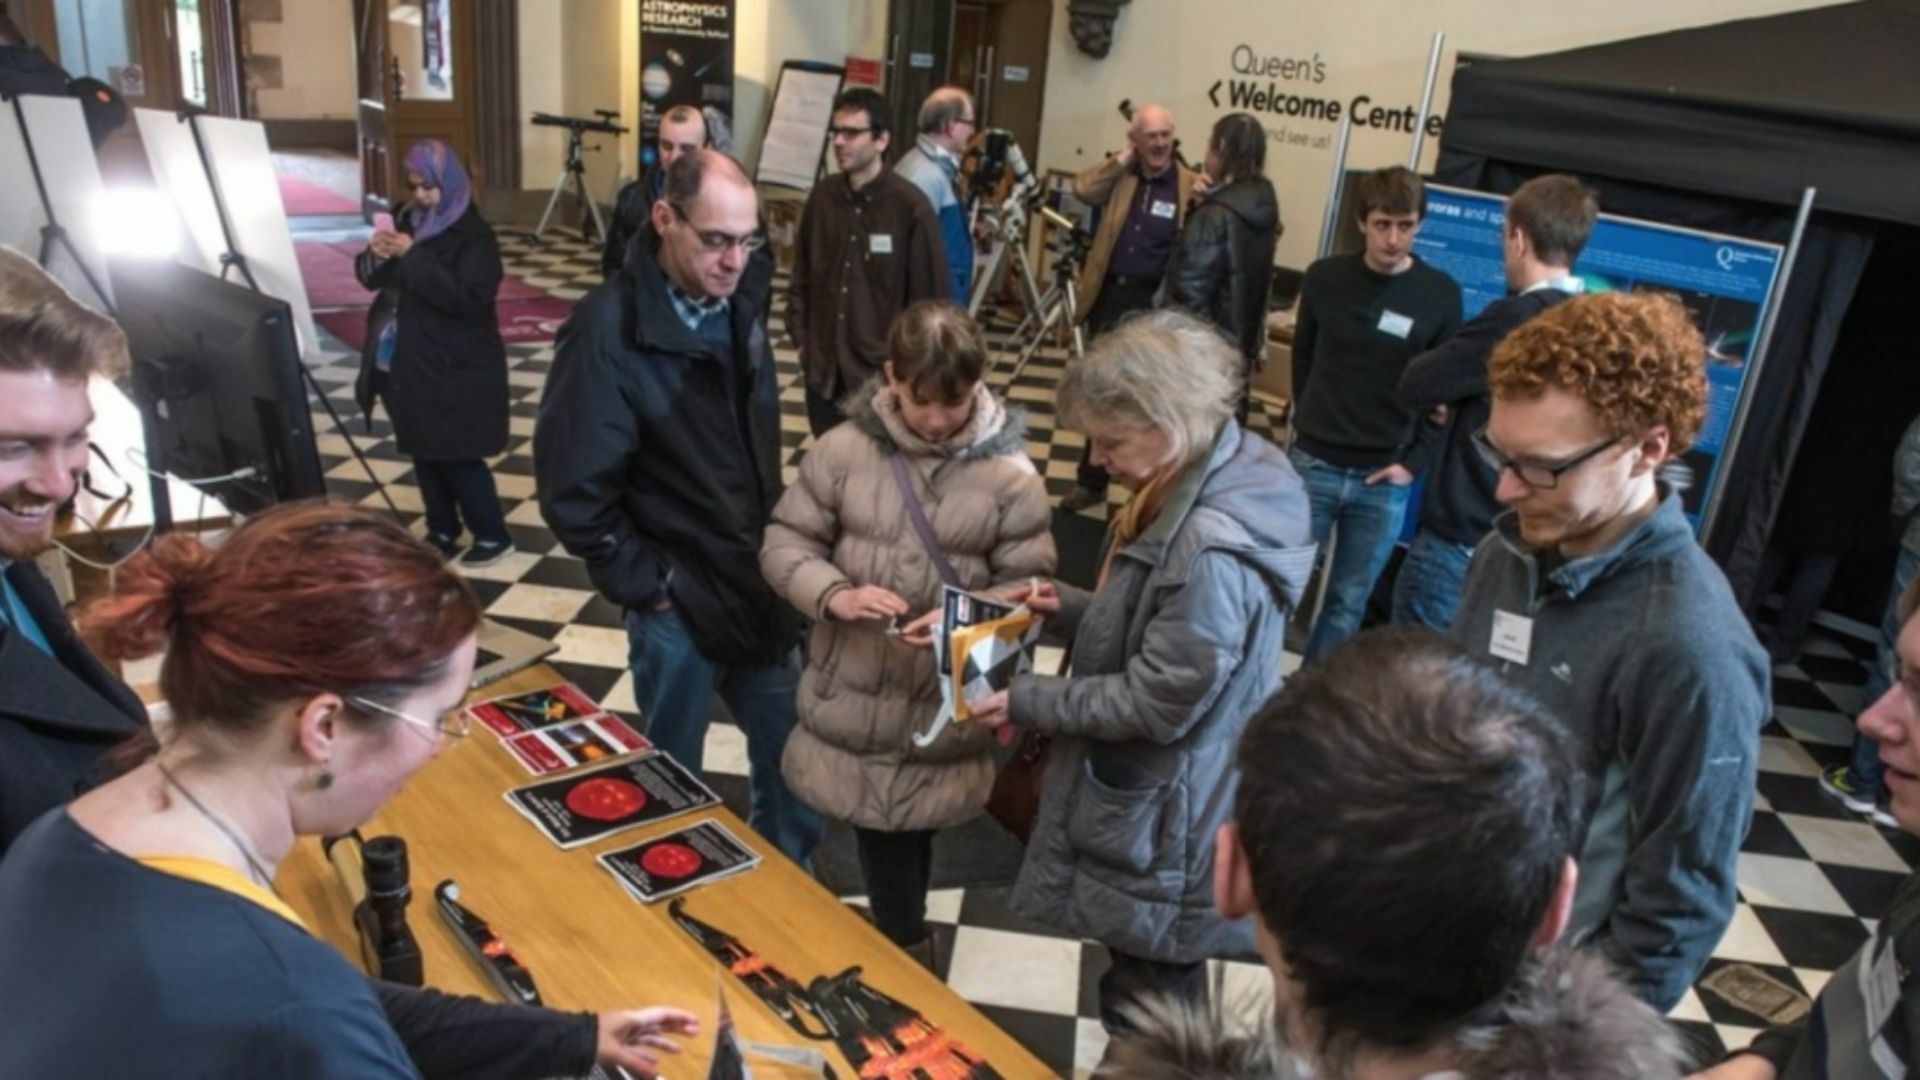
x,y
869,245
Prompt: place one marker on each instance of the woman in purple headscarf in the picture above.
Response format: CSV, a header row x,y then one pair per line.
x,y
438,363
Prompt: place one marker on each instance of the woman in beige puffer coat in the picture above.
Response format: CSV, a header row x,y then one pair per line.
x,y
842,549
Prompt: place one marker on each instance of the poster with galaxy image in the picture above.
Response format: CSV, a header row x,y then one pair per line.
x,y
686,58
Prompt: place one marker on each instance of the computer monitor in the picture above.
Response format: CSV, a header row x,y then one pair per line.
x,y
216,374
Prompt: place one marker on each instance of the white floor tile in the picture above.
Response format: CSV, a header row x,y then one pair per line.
x,y
1783,755
596,645
1690,1008
1773,881
543,602
726,751
1845,843
1747,939
1018,971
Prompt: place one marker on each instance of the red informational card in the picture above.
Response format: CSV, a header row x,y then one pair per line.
x,y
571,745
535,709
599,802
671,864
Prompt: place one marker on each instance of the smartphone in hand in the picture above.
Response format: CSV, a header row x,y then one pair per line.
x,y
383,222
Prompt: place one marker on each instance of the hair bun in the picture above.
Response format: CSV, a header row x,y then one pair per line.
x,y
150,596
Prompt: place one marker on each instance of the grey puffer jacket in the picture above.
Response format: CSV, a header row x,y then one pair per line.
x,y
1170,657
1567,1017
864,694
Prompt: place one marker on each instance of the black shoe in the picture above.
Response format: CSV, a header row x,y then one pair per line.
x,y
447,546
486,553
1081,498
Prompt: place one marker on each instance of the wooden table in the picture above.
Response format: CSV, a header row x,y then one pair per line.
x,y
590,946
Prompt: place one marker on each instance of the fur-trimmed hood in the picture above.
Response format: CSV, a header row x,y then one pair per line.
x,y
1567,1017
996,429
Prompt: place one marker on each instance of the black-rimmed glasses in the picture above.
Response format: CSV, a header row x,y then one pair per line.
x,y
715,241
1532,473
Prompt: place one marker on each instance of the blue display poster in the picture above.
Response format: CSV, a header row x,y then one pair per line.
x,y
1725,282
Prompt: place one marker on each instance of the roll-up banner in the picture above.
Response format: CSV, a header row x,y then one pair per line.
x,y
686,58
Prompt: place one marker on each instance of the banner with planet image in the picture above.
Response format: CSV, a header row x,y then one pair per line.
x,y
686,58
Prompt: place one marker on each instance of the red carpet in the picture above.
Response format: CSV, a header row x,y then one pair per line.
x,y
303,198
521,321
328,273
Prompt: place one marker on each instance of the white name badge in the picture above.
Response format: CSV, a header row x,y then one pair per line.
x,y
881,244
1392,322
1512,637
1162,209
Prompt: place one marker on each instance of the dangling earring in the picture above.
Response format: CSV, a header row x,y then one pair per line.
x,y
325,779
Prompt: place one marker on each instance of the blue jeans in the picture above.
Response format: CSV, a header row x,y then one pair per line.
x,y
1865,767
1365,519
674,687
1427,592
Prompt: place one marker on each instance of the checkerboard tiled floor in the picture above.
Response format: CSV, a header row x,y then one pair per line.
x,y
1812,878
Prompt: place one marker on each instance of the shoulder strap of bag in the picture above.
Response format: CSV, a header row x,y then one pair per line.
x,y
918,515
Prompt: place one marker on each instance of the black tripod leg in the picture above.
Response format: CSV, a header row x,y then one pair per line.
x,y
341,426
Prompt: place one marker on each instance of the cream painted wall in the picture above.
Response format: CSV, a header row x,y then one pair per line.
x,y
1174,50
542,67
579,55
314,42
767,34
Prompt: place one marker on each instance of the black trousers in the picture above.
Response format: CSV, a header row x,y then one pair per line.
x,y
898,867
1119,298
457,490
1130,977
822,413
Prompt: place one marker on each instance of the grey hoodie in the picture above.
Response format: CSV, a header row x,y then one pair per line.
x,y
1642,651
1567,1017
1177,649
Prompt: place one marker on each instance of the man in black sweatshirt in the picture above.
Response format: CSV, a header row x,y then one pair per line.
x,y
1548,219
1362,318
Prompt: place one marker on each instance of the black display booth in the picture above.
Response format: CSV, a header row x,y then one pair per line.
x,y
1721,128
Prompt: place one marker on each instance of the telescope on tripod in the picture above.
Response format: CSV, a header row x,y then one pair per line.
x,y
575,169
1057,307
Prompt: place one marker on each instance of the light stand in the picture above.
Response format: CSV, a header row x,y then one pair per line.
x,y
53,234
233,259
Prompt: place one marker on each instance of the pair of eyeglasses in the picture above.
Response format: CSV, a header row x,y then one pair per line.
x,y
716,241
849,132
1531,473
454,723
424,185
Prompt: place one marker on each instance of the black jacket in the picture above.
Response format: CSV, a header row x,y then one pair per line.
x,y
58,714
657,459
447,392
1458,505
1222,265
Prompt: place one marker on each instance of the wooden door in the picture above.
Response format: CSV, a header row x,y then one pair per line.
x,y
417,80
920,51
1015,69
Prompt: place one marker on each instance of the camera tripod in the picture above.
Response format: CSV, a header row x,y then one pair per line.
x,y
1058,308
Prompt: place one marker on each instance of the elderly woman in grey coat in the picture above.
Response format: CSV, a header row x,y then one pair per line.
x,y
1175,648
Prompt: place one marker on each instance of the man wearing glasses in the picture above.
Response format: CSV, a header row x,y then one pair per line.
x,y
1548,219
657,459
947,122
868,246
1592,594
